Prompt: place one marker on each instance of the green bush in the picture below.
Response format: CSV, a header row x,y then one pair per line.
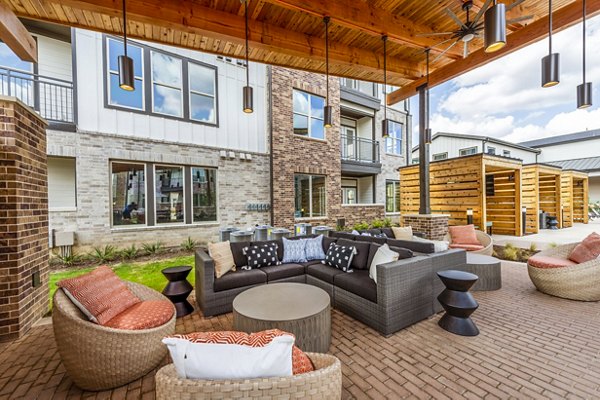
x,y
189,244
361,226
70,260
104,254
130,252
377,224
152,248
387,223
511,253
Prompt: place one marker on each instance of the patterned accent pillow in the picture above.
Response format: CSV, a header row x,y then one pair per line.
x,y
340,257
261,255
145,315
100,294
294,251
300,361
314,248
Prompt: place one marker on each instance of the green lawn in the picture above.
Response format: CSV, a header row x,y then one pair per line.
x,y
145,273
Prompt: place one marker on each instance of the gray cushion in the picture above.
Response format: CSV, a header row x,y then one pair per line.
x,y
342,235
311,262
359,261
404,253
239,257
324,272
371,239
420,247
275,272
358,283
388,232
372,250
239,278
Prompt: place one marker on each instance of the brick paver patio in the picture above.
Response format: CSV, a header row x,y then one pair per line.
x,y
531,346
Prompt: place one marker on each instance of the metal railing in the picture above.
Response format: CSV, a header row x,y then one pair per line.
x,y
52,98
359,149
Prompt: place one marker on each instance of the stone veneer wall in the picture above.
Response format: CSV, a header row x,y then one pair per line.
x,y
434,226
23,218
239,182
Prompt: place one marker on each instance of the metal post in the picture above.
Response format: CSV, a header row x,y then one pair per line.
x,y
424,203
524,219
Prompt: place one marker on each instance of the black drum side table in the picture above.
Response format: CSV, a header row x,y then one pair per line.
x,y
178,289
458,302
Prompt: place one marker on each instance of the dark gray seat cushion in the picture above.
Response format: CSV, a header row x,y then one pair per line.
x,y
239,278
342,235
323,272
239,257
420,247
359,261
359,283
311,262
275,272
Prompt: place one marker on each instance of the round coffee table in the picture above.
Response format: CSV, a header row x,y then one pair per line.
x,y
298,308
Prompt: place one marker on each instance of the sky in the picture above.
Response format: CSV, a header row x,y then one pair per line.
x,y
504,99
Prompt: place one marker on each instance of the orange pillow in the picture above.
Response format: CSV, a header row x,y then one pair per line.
x,y
144,315
463,234
587,250
300,361
101,295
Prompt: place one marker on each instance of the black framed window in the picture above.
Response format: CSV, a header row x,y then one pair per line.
x,y
392,196
128,191
169,200
167,85
393,143
116,95
204,194
310,196
203,93
308,114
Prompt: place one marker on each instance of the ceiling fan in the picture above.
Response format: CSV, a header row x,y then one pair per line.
x,y
471,28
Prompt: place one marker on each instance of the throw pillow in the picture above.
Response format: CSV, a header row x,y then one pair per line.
x,y
314,248
294,251
101,295
340,257
383,256
222,256
144,315
463,234
261,255
587,250
402,233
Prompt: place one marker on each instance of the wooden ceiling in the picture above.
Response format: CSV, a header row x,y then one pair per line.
x,y
291,33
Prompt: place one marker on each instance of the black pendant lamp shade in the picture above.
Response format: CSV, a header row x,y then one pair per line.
x,y
551,62
495,28
248,99
247,91
126,78
584,91
385,125
327,110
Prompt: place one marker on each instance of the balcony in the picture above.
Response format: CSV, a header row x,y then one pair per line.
x,y
52,98
360,156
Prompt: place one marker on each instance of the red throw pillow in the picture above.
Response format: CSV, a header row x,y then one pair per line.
x,y
463,234
587,250
300,361
101,295
144,315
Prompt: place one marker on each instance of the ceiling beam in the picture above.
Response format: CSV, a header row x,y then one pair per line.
x,y
366,17
190,17
565,17
16,36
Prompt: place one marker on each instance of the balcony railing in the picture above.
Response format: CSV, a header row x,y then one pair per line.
x,y
360,149
52,98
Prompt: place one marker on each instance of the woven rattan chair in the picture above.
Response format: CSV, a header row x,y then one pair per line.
x,y
100,358
575,282
483,238
325,383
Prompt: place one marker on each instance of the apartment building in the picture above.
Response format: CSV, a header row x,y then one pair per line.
x,y
177,157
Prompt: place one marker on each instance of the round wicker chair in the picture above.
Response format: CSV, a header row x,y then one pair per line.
x,y
576,282
100,358
483,238
325,383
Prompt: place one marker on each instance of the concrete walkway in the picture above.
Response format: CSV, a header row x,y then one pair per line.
x,y
547,237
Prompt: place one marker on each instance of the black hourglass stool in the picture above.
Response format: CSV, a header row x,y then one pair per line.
x,y
178,288
458,302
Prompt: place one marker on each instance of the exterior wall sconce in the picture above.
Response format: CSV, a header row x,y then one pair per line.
x,y
469,216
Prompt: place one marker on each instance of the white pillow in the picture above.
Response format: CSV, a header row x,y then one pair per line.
x,y
438,245
383,256
231,361
404,233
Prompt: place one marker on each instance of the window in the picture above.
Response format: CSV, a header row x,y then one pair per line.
x,y
393,143
309,196
308,115
166,85
392,196
204,194
349,191
169,194
415,160
468,151
128,188
203,100
61,183
440,156
116,95
506,153
491,150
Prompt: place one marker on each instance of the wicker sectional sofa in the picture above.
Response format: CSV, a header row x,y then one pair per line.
x,y
404,294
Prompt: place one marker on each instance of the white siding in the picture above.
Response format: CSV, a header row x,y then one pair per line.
x,y
61,184
54,58
594,189
570,151
365,128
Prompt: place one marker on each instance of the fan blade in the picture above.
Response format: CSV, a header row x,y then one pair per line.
x,y
518,19
466,50
445,51
455,18
435,34
513,5
441,43
481,11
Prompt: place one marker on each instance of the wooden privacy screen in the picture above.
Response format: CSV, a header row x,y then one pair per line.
x,y
502,207
574,192
541,191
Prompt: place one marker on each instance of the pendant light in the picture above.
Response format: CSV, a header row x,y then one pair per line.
x,y
247,93
495,27
551,62
126,79
328,110
584,91
385,125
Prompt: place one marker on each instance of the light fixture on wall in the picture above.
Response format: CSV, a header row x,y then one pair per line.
x,y
584,91
385,124
247,93
327,110
126,79
551,62
495,27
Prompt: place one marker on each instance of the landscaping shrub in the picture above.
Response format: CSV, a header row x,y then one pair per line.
x,y
189,244
361,226
130,252
103,254
152,248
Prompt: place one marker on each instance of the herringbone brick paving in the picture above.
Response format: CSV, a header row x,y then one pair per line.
x,y
531,346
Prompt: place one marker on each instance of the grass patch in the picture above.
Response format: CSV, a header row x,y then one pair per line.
x,y
146,273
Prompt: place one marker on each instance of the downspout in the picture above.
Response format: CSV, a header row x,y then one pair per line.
x,y
483,142
270,121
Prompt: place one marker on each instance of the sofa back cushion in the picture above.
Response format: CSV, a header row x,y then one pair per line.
x,y
237,249
388,232
419,247
371,239
343,235
222,256
587,250
360,259
327,241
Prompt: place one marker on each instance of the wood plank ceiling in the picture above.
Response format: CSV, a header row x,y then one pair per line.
x,y
291,33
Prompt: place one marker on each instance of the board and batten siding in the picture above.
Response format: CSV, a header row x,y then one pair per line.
x,y
61,184
236,130
570,151
54,58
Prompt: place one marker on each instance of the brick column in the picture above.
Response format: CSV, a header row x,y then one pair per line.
x,y
23,218
434,226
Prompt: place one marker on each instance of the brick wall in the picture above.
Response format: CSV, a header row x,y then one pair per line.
x,y
434,226
23,218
